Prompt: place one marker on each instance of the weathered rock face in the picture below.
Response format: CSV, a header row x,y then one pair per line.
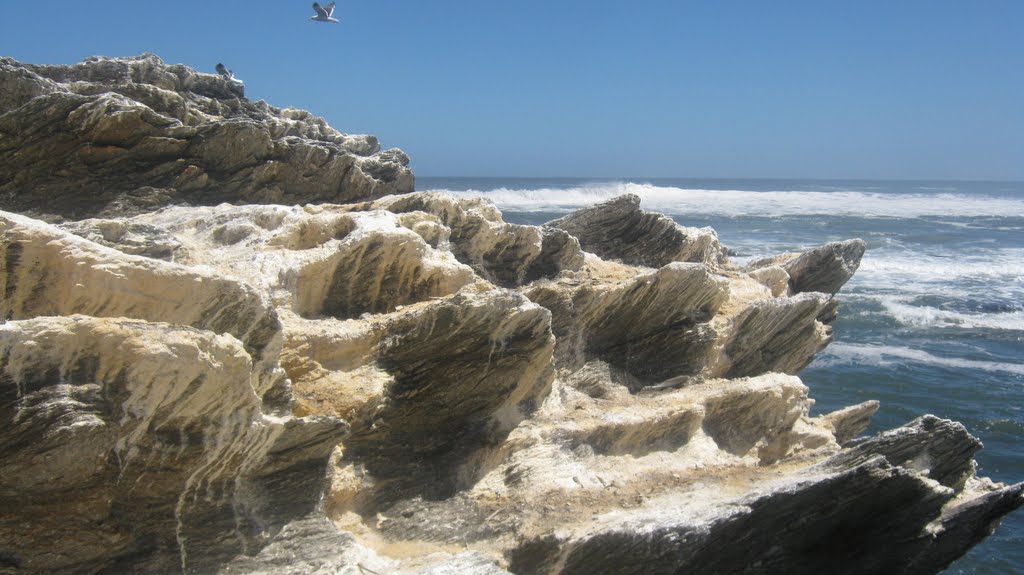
x,y
465,372
366,387
134,134
653,326
509,255
823,269
48,272
141,447
647,403
619,230
880,524
779,335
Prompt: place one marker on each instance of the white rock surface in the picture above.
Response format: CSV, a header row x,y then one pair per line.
x,y
514,404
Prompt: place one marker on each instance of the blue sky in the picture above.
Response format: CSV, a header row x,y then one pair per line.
x,y
869,89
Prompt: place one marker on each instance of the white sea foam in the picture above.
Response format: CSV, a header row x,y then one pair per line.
x,y
992,275
678,201
923,316
850,354
991,263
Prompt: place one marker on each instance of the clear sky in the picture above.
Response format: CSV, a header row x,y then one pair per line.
x,y
806,89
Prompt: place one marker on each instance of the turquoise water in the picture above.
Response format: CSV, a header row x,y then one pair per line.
x,y
933,322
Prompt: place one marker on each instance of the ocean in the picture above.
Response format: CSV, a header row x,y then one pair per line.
x,y
933,321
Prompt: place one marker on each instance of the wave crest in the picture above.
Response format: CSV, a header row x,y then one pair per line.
x,y
732,203
847,354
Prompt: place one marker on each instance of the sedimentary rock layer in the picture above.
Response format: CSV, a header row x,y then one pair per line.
x,y
598,417
111,136
141,447
409,384
619,230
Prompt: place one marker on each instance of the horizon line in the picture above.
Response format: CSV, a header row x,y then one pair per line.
x,y
727,178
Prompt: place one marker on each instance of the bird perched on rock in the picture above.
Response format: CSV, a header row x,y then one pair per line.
x,y
323,14
226,74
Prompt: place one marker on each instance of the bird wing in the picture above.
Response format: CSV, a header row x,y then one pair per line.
x,y
330,9
320,11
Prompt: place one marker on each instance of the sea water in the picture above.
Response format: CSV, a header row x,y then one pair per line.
x,y
933,321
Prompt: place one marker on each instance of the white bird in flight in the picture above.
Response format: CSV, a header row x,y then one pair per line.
x,y
323,14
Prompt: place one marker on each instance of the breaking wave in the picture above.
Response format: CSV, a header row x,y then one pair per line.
x,y
925,316
1005,263
734,203
853,354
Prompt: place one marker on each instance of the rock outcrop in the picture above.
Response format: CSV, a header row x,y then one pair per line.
x,y
619,230
646,409
141,447
881,523
652,326
409,384
824,269
506,254
134,134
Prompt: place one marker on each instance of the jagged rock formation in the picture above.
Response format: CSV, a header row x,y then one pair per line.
x,y
410,385
631,324
648,403
888,519
824,269
619,230
138,446
506,254
134,134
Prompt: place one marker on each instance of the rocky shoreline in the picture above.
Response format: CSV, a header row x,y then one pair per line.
x,y
237,341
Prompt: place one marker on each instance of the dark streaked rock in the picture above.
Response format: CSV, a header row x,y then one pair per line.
x,y
823,269
939,448
141,447
619,230
651,327
466,370
780,334
118,127
853,515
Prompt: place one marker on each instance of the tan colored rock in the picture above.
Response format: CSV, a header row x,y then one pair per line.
x,y
619,230
506,254
774,278
590,417
46,271
148,449
118,126
849,422
823,269
653,326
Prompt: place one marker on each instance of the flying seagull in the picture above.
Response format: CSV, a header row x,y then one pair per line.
x,y
227,74
323,14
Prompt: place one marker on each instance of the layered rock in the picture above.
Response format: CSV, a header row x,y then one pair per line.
x,y
643,407
619,230
824,269
409,384
884,522
134,134
509,255
140,447
46,271
463,373
652,326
